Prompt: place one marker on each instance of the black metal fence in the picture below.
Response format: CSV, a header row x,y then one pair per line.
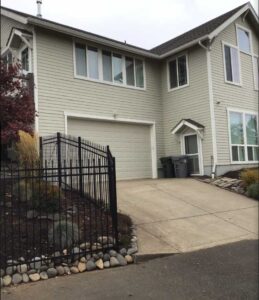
x,y
61,206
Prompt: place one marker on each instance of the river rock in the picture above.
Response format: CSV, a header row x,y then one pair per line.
x,y
7,279
60,270
22,268
17,278
34,277
2,273
106,257
67,270
36,263
44,275
25,278
113,253
90,265
10,270
132,251
99,264
52,272
106,264
123,251
84,246
114,262
129,259
81,267
74,270
122,261
32,271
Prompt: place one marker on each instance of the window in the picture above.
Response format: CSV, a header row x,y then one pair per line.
x,y
81,60
243,40
117,68
243,136
25,60
231,58
92,59
107,66
8,59
178,75
256,71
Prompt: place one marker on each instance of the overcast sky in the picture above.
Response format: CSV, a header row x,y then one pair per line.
x,y
145,23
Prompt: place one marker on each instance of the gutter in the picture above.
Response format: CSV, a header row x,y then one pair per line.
x,y
211,102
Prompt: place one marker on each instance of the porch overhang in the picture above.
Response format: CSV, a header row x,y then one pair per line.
x,y
190,124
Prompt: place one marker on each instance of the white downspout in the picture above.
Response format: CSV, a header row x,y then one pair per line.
x,y
35,75
212,112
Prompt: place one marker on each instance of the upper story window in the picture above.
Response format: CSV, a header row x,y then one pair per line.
x,y
231,64
178,72
25,59
243,136
109,67
243,40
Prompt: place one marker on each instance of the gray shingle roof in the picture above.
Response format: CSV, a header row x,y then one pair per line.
x,y
195,33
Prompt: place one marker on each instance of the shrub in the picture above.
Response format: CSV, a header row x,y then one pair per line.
x,y
63,234
253,191
27,149
250,176
46,197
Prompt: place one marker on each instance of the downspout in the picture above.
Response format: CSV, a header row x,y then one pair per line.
x,y
212,112
35,75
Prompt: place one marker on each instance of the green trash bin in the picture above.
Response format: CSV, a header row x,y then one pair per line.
x,y
168,168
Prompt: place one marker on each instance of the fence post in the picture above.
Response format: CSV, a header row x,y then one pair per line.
x,y
80,166
59,158
113,194
41,151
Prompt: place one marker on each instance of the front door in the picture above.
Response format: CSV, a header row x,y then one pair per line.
x,y
191,148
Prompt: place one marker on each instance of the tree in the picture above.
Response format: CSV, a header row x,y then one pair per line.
x,y
17,111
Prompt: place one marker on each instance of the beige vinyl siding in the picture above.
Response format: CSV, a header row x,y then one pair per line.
x,y
59,91
130,144
188,102
6,26
228,95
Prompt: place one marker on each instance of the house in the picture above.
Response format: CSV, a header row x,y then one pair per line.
x,y
196,94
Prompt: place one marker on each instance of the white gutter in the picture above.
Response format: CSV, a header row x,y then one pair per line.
x,y
212,112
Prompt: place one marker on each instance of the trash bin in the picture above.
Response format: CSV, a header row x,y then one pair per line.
x,y
180,164
168,168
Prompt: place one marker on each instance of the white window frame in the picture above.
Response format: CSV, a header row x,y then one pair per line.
x,y
168,71
245,145
100,67
29,58
250,38
224,62
255,72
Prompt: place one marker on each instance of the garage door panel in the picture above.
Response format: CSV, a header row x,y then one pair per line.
x,y
129,143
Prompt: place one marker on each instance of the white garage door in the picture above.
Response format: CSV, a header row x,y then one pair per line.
x,y
129,143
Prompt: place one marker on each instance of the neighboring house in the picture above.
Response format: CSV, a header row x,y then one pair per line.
x,y
196,94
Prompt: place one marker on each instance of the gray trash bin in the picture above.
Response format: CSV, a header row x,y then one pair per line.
x,y
180,163
168,168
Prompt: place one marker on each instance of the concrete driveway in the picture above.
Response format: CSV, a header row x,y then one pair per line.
x,y
182,215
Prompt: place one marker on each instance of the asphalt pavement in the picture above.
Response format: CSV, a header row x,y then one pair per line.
x,y
223,272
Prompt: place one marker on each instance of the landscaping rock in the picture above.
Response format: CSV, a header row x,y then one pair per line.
x,y
85,246
17,278
106,257
75,263
122,261
36,263
108,246
129,259
105,240
67,270
34,277
99,264
100,254
52,272
43,268
114,262
90,265
132,251
11,262
57,258
7,280
1,282
75,252
10,270
2,273
22,268
112,253
95,257
96,246
25,278
60,270
81,267
83,259
106,264
123,251
44,275
74,270
32,271
21,259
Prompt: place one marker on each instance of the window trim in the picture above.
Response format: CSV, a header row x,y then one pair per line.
x,y
29,58
224,62
100,67
250,39
255,56
168,71
245,145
